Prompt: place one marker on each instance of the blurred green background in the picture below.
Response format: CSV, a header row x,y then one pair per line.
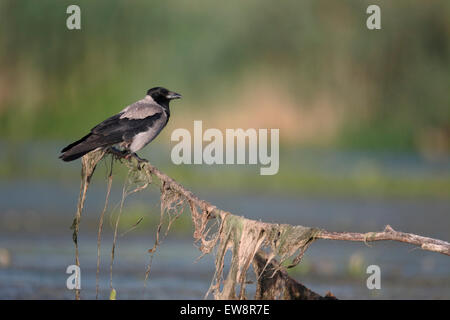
x,y
310,68
364,119
385,89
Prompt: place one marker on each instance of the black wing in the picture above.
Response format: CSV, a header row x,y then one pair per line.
x,y
107,133
116,129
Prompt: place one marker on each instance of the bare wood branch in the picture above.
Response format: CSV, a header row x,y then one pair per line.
x,y
389,233
424,243
272,279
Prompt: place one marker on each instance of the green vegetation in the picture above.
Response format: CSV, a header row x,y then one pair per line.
x,y
388,88
334,83
302,172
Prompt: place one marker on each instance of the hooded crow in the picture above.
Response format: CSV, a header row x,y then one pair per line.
x,y
132,128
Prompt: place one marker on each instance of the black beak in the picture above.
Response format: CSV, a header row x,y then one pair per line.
x,y
173,95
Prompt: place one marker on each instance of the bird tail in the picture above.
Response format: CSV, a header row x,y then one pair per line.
x,y
78,148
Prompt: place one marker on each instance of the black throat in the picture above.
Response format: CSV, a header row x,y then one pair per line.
x,y
165,105
163,102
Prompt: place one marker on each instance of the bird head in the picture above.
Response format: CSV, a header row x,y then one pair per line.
x,y
162,95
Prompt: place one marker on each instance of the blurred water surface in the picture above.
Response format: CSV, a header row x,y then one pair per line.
x,y
35,215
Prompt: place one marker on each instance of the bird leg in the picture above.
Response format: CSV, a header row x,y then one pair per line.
x,y
138,159
127,155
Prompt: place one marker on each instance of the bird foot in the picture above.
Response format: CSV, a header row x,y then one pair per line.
x,y
139,160
127,155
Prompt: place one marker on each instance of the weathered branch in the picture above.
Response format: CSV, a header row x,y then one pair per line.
x,y
251,242
424,243
389,233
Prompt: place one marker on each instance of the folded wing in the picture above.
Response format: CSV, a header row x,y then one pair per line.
x,y
135,119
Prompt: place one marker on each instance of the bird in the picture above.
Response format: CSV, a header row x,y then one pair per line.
x,y
131,129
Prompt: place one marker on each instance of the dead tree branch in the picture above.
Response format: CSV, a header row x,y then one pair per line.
x,y
424,243
250,242
389,233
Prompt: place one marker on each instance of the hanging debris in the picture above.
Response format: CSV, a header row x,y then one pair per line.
x,y
264,246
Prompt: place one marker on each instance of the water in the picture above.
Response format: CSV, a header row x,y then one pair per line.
x,y
34,229
37,208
